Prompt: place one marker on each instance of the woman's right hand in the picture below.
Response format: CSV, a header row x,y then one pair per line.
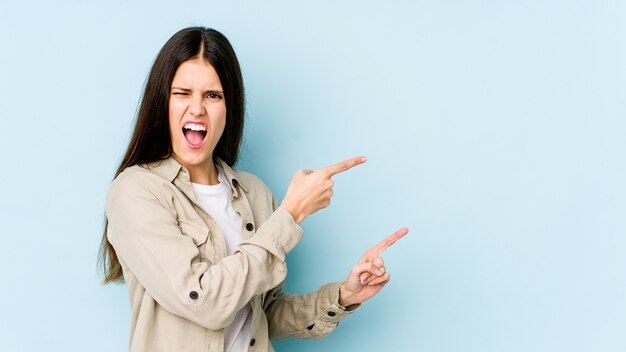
x,y
310,191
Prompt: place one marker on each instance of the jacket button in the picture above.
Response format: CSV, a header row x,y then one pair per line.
x,y
252,342
249,227
331,314
193,295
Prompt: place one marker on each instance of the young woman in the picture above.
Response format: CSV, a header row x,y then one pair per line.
x,y
201,246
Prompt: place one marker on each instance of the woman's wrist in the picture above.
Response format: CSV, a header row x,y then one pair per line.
x,y
297,217
346,298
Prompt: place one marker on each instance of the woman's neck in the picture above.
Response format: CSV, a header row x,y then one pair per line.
x,y
204,174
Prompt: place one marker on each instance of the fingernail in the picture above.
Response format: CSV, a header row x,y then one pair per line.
x,y
378,272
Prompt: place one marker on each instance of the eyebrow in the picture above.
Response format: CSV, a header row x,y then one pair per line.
x,y
208,91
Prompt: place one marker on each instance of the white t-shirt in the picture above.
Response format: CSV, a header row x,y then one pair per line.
x,y
216,201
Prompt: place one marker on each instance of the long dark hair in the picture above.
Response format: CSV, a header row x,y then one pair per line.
x,y
151,136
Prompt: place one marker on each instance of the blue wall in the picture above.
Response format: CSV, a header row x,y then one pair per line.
x,y
494,131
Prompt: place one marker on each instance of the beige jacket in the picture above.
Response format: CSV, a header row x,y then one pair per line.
x,y
183,287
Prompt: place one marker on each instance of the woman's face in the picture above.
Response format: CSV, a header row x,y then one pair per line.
x,y
197,113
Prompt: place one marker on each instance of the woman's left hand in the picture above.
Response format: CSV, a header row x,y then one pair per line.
x,y
369,276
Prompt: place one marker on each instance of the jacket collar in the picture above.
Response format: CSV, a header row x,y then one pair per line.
x,y
170,169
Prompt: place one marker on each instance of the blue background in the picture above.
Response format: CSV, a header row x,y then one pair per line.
x,y
494,131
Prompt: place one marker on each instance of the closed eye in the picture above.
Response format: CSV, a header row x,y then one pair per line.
x,y
180,91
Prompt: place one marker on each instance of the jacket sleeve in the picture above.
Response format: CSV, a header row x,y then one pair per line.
x,y
147,239
312,315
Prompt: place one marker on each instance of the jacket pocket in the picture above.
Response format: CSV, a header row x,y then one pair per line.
x,y
197,233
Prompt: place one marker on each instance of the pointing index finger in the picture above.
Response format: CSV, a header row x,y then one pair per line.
x,y
345,165
391,239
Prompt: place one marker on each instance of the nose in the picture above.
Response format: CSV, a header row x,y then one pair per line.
x,y
196,106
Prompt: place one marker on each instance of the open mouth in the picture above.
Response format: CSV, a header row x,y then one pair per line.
x,y
194,133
